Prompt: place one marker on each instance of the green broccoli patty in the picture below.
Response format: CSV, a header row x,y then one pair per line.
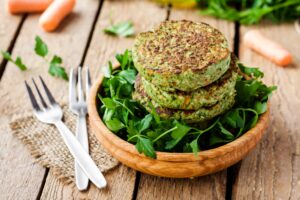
x,y
202,97
181,55
189,116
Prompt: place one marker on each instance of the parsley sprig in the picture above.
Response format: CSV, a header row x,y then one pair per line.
x,y
130,121
123,29
55,64
18,61
251,12
41,49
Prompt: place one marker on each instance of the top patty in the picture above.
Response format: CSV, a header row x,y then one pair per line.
x,y
181,54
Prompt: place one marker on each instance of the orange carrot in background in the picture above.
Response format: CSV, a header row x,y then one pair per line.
x,y
27,6
55,13
269,49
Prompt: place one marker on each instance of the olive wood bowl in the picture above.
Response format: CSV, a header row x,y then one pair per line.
x,y
173,165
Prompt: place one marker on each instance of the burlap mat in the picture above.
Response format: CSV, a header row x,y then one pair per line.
x,y
47,147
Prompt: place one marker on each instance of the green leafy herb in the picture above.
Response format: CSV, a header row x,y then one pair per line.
x,y
40,48
55,68
55,65
251,12
123,29
130,121
18,62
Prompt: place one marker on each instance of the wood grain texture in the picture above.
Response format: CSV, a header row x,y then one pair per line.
x,y
272,170
207,187
103,48
120,186
206,190
8,27
20,177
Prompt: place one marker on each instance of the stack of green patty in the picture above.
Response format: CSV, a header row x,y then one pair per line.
x,y
186,71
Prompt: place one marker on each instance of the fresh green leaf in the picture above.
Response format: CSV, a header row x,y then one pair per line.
x,y
40,48
260,107
227,134
129,75
114,124
195,147
107,71
251,12
7,56
109,103
253,72
55,68
145,123
177,135
123,29
145,146
18,62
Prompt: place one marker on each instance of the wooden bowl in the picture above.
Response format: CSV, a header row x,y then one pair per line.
x,y
174,165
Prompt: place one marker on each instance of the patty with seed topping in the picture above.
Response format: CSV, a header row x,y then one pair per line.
x,y
202,97
202,114
181,55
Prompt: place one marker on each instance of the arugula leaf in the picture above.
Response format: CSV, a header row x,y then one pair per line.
x,y
41,47
18,62
144,145
123,29
55,68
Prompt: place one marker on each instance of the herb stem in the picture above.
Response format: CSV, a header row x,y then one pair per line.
x,y
164,133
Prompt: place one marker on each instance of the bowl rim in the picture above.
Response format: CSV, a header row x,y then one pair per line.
x,y
170,156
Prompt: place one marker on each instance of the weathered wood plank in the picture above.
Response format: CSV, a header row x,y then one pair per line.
x,y
8,31
271,171
144,14
8,26
20,178
208,187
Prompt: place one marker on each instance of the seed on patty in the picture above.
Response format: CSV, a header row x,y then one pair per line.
x,y
202,97
202,114
182,55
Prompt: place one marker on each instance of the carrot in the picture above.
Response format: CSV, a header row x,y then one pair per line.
x,y
27,6
55,13
269,49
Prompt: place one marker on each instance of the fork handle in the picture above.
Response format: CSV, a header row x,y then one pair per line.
x,y
81,156
82,180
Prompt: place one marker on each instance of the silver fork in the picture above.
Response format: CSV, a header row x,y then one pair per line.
x,y
78,106
51,113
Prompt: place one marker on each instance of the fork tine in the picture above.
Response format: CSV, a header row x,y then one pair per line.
x,y
88,81
79,85
33,101
72,87
48,93
40,95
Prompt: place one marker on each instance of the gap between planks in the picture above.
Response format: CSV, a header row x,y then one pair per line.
x,y
81,64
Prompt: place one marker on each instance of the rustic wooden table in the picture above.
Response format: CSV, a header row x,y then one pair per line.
x,y
271,171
